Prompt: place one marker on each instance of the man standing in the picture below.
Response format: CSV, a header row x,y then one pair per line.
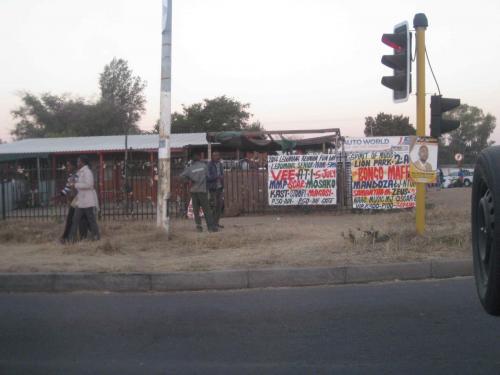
x,y
197,174
216,187
86,199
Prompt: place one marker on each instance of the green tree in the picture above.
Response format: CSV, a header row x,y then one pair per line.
x,y
118,110
387,125
214,115
50,116
470,138
122,96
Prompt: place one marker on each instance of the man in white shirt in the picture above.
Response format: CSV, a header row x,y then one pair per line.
x,y
86,200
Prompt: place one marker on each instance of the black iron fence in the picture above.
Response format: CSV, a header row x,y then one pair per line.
x,y
35,193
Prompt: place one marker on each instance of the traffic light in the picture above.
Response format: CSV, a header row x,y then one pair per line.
x,y
400,62
440,105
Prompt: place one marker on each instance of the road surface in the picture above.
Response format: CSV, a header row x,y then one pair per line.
x,y
421,327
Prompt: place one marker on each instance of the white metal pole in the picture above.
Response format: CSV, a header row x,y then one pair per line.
x,y
165,118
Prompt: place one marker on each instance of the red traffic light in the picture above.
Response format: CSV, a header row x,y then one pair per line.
x,y
399,62
396,41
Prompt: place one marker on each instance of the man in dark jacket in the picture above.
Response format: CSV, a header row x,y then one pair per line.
x,y
216,186
197,173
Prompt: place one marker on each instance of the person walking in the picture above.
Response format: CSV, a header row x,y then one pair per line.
x,y
86,200
70,194
197,173
216,187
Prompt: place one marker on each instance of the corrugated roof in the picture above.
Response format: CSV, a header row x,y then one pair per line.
x,y
101,143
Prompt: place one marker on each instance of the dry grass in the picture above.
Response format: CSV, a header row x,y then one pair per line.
x,y
246,242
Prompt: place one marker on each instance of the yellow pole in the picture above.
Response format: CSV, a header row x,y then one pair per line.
x,y
420,23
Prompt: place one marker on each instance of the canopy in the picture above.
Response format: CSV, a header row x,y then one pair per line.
x,y
245,142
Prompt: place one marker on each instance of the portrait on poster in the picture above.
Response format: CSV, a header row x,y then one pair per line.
x,y
423,156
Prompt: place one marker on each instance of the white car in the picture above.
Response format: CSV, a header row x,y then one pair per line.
x,y
452,179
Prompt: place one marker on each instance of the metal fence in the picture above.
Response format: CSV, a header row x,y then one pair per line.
x,y
35,193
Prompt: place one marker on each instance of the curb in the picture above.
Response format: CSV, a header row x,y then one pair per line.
x,y
232,279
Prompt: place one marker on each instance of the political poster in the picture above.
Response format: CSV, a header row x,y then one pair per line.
x,y
301,180
380,178
423,157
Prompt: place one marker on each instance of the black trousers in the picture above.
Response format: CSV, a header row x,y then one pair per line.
x,y
79,215
216,202
83,227
201,200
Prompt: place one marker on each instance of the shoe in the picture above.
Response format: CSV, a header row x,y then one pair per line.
x,y
220,226
213,229
199,229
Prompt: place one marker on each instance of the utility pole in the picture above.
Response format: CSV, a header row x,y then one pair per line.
x,y
162,212
420,24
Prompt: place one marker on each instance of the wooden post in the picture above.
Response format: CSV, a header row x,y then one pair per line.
x,y
152,174
101,177
54,167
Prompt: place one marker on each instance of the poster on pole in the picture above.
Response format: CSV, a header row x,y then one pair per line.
x,y
302,180
380,177
423,156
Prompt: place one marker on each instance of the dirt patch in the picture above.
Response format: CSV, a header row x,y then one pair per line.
x,y
248,242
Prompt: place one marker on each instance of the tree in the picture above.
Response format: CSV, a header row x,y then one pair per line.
x,y
122,94
214,115
387,125
49,116
116,112
470,138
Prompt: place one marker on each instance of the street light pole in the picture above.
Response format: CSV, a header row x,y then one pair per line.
x,y
162,213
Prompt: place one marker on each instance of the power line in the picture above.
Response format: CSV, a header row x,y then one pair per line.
x,y
432,71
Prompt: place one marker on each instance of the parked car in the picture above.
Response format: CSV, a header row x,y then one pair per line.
x,y
485,232
453,179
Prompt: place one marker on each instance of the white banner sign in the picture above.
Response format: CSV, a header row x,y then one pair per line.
x,y
298,180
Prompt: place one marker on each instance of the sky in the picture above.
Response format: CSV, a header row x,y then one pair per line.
x,y
299,64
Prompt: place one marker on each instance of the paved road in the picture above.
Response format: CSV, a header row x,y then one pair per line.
x,y
400,328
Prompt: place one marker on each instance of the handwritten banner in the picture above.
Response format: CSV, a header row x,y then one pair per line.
x,y
381,179
299,180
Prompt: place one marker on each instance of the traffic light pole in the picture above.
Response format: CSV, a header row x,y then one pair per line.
x,y
420,24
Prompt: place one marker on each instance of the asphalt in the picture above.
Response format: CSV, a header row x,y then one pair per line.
x,y
231,279
406,327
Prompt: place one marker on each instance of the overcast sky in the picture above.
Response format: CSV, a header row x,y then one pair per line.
x,y
300,64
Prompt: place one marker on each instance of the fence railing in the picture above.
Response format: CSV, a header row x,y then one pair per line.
x,y
36,194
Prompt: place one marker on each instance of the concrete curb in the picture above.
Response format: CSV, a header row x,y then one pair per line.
x,y
232,279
